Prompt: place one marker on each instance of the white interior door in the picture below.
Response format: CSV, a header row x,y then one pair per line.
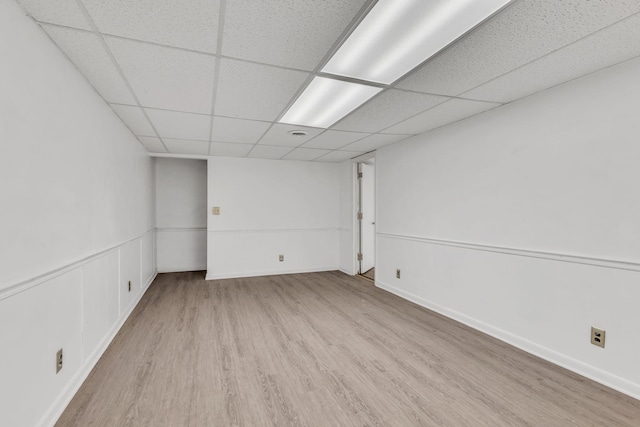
x,y
368,227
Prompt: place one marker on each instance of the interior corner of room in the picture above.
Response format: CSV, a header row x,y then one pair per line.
x,y
493,186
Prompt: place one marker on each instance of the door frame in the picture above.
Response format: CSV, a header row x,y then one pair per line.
x,y
356,207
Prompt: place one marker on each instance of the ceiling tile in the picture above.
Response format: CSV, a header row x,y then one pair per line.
x,y
226,129
164,77
171,124
279,33
333,139
279,135
387,109
135,119
61,12
229,150
152,144
448,112
614,44
253,91
374,142
306,154
338,156
190,24
89,56
268,152
522,32
180,146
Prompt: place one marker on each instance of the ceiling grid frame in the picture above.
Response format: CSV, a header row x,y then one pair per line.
x,y
581,39
216,77
594,26
117,66
369,4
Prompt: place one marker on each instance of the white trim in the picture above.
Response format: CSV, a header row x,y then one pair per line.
x,y
23,285
275,230
348,273
555,256
367,156
181,156
185,269
267,273
355,229
615,382
180,229
56,409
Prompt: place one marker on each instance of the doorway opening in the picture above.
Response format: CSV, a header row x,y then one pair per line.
x,y
366,219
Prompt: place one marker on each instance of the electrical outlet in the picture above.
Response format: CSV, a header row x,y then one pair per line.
x,y
59,361
281,257
597,336
398,273
215,210
129,285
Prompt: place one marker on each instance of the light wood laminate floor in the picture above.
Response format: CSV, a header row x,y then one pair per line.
x,y
321,349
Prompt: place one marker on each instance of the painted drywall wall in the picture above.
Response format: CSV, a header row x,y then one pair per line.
x,y
76,223
268,208
181,214
523,222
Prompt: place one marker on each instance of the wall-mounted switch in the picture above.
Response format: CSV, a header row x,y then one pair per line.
x,y
215,210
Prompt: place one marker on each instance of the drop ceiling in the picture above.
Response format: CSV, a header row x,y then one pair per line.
x,y
212,77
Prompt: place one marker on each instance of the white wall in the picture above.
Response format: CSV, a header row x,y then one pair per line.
x,y
181,214
524,223
76,223
268,208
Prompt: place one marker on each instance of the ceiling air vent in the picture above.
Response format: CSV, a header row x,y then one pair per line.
x,y
297,133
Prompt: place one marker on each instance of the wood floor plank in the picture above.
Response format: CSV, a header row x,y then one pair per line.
x,y
321,349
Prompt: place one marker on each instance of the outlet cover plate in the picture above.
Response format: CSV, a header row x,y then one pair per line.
x,y
59,361
597,336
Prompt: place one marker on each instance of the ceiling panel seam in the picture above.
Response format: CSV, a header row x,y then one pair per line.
x,y
216,77
366,7
593,34
118,68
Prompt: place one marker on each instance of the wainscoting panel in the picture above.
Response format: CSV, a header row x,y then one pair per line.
x,y
75,308
100,300
245,253
182,249
347,252
545,305
130,274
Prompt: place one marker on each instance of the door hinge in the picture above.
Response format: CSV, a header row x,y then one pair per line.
x,y
359,257
359,175
359,215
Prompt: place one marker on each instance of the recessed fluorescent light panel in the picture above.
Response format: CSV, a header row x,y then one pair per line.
x,y
325,101
398,35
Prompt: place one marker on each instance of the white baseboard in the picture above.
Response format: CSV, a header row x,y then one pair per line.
x,y
265,273
181,269
615,382
60,404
